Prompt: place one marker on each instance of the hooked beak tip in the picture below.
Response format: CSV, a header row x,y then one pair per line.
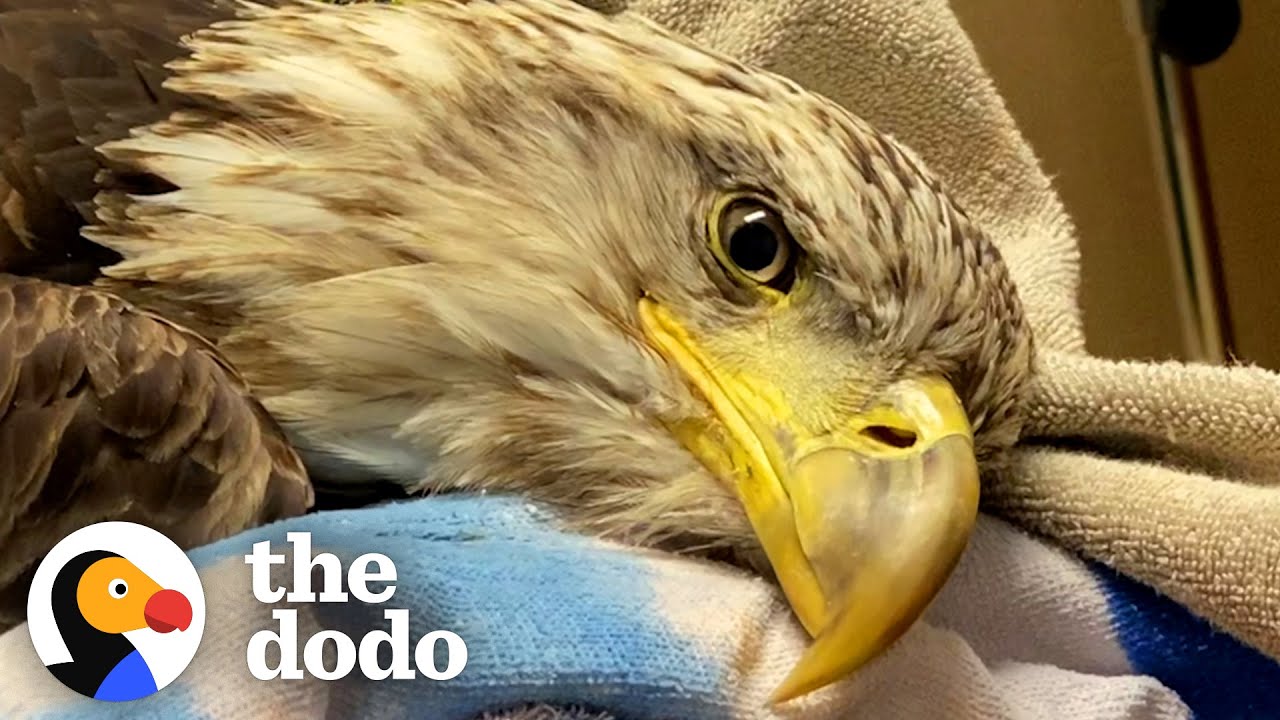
x,y
903,527
862,517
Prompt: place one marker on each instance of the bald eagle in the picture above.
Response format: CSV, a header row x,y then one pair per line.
x,y
511,246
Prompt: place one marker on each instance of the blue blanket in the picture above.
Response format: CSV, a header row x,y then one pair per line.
x,y
553,618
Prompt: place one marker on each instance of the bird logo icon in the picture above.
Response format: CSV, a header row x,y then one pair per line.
x,y
116,611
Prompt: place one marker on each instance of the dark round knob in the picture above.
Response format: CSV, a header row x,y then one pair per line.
x,y
1193,32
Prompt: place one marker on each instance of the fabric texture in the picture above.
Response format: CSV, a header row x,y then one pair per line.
x,y
1167,472
1023,631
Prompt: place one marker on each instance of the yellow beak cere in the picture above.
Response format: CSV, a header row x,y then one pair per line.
x,y
862,524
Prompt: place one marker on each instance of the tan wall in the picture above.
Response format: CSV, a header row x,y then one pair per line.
x,y
1070,74
1239,104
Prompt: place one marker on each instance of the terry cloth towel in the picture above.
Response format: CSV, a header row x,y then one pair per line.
x,y
1023,631
1163,472
1167,472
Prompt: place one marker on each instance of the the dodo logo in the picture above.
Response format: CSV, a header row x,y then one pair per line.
x,y
116,611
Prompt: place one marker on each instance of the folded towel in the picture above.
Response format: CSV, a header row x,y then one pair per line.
x,y
1167,472
550,618
1164,472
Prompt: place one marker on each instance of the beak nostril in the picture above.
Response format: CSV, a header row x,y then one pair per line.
x,y
891,436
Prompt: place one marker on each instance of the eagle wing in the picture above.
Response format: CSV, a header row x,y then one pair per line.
x,y
110,413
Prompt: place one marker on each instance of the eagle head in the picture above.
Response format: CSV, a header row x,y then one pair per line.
x,y
522,247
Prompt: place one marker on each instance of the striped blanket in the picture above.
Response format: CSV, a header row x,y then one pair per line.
x,y
581,628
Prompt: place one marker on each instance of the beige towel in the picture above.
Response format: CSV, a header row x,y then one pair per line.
x,y
1166,472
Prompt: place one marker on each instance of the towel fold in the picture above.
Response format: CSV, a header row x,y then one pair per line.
x,y
1165,474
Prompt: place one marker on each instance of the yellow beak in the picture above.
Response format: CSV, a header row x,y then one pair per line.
x,y
861,524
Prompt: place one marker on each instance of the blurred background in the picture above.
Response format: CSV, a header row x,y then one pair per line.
x,y
1158,121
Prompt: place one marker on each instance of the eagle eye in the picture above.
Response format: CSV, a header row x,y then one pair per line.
x,y
752,242
118,588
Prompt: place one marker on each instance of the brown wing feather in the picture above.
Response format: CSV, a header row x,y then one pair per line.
x,y
107,412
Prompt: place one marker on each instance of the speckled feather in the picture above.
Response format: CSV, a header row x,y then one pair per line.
x,y
420,231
